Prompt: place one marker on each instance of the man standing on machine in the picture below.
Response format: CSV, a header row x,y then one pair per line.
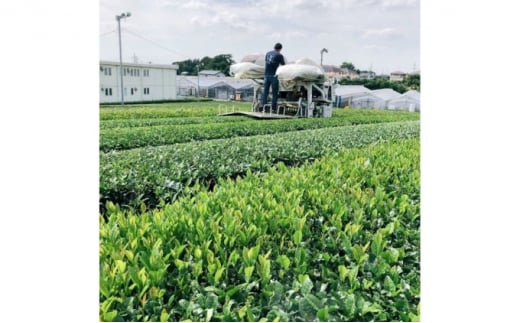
x,y
272,60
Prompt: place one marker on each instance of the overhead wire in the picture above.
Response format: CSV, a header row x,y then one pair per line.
x,y
156,43
108,32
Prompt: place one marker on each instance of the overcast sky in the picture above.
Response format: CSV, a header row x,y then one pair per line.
x,y
378,34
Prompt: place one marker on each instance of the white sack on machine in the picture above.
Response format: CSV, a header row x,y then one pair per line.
x,y
258,59
247,70
303,70
306,61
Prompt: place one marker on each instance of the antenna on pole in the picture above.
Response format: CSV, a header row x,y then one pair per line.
x,y
118,18
324,50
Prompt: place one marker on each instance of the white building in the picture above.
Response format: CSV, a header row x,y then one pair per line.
x,y
397,76
141,82
367,75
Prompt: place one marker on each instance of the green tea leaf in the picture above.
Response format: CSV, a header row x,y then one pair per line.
x,y
350,305
342,272
284,261
218,274
323,314
164,316
357,252
109,316
314,301
297,237
370,308
307,285
389,284
248,271
209,314
377,244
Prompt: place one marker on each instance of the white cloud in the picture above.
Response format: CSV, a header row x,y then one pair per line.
x,y
198,28
383,32
399,3
375,47
288,34
190,4
194,4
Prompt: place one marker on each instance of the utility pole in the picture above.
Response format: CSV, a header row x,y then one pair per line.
x,y
118,18
198,83
324,50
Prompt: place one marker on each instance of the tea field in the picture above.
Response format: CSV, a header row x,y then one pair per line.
x,y
206,218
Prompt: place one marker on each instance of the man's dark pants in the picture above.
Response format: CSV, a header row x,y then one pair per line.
x,y
270,81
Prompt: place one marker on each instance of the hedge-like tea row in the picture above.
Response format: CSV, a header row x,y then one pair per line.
x,y
353,116
131,123
127,138
336,240
161,173
169,110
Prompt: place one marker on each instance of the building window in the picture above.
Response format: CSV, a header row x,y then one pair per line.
x,y
137,71
132,72
146,91
108,92
146,72
132,91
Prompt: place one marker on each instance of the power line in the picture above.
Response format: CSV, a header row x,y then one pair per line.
x,y
109,32
156,44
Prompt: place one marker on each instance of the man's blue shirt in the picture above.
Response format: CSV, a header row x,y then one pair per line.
x,y
272,60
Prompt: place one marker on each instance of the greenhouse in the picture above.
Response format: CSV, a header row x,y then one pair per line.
x,y
410,101
344,94
368,101
386,94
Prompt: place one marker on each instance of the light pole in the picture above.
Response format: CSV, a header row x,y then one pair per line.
x,y
118,18
198,83
324,50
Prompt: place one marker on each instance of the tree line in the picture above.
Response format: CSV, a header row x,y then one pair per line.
x,y
220,63
411,82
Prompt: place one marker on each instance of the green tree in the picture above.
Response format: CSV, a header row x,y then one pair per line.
x,y
205,63
220,63
413,82
375,84
189,66
348,65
